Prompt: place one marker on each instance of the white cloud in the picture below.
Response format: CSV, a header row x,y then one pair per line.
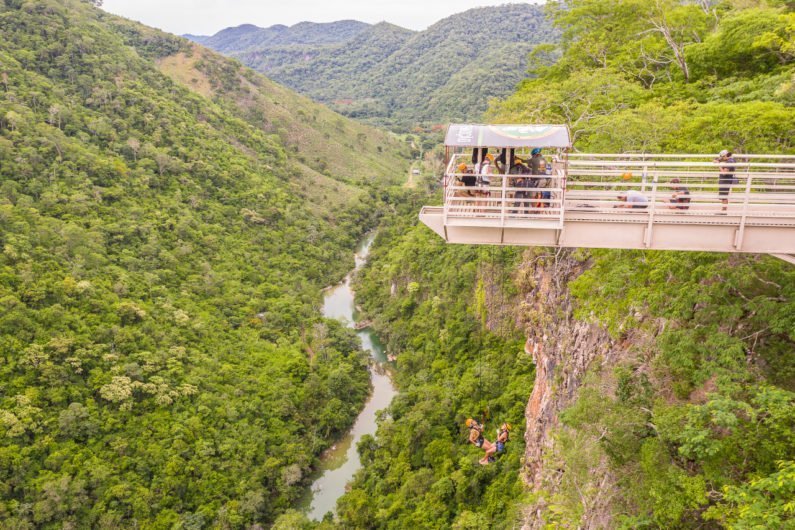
x,y
205,17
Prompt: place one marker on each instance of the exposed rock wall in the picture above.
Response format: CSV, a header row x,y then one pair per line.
x,y
564,349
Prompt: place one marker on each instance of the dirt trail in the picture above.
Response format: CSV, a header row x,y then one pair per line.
x,y
410,181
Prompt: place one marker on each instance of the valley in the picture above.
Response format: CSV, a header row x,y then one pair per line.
x,y
171,353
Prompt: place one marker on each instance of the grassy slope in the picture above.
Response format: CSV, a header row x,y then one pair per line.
x,y
335,156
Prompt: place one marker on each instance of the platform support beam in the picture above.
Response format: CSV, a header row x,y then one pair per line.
x,y
790,258
738,244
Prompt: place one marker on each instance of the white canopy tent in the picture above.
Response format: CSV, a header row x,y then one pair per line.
x,y
511,136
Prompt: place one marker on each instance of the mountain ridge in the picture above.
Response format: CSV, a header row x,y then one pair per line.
x,y
388,75
301,33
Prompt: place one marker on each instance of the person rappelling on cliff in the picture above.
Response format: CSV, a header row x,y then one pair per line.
x,y
477,439
502,436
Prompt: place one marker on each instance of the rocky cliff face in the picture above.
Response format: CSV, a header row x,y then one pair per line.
x,y
564,349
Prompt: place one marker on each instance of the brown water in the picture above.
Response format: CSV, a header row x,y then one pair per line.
x,y
339,463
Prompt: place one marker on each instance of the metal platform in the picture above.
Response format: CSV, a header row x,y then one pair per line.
x,y
579,205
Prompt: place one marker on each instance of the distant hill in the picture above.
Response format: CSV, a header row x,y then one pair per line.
x,y
391,75
248,37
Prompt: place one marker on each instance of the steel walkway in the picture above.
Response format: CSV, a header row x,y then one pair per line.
x,y
687,206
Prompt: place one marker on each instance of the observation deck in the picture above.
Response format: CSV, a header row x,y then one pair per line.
x,y
688,206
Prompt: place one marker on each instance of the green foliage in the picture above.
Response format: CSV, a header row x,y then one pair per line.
x,y
693,424
764,502
447,72
665,77
717,418
159,281
419,469
747,43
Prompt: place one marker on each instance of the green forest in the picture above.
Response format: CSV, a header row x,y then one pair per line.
x,y
169,218
163,363
392,76
698,423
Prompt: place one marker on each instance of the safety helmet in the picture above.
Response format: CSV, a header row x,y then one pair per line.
x,y
724,153
507,426
490,157
470,422
462,168
627,175
536,151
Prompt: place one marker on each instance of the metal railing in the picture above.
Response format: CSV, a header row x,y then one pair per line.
x,y
671,188
502,197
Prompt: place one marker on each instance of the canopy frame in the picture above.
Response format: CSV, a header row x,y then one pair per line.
x,y
508,136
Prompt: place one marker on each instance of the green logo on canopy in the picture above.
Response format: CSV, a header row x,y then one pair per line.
x,y
523,132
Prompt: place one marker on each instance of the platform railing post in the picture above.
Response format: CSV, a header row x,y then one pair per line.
x,y
562,185
643,176
738,244
503,192
447,193
652,208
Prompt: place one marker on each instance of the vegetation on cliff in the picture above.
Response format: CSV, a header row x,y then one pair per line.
x,y
446,312
697,424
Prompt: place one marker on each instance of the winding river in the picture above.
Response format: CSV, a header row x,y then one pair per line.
x,y
341,461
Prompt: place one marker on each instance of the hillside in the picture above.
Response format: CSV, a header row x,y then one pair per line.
x,y
167,222
389,75
252,38
672,399
657,388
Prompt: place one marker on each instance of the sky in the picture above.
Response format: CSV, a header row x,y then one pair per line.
x,y
206,17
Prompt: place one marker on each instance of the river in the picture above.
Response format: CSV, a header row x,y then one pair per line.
x,y
339,463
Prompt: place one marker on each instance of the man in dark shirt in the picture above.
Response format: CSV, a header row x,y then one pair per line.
x,y
725,176
680,200
538,166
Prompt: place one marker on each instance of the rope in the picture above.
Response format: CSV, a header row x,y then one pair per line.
x,y
502,283
480,342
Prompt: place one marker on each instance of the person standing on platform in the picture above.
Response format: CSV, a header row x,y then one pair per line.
x,y
726,177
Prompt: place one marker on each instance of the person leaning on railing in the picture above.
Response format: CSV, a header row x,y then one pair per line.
x,y
467,178
632,199
519,172
538,166
485,169
680,200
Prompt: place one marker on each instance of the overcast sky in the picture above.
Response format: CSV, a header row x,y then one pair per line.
x,y
206,17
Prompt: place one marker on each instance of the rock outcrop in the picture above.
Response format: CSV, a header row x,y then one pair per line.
x,y
563,349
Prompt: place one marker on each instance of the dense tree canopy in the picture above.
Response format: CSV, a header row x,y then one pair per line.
x,y
163,362
167,219
390,75
697,424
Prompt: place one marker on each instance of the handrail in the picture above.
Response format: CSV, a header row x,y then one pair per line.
x,y
593,183
653,156
643,163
